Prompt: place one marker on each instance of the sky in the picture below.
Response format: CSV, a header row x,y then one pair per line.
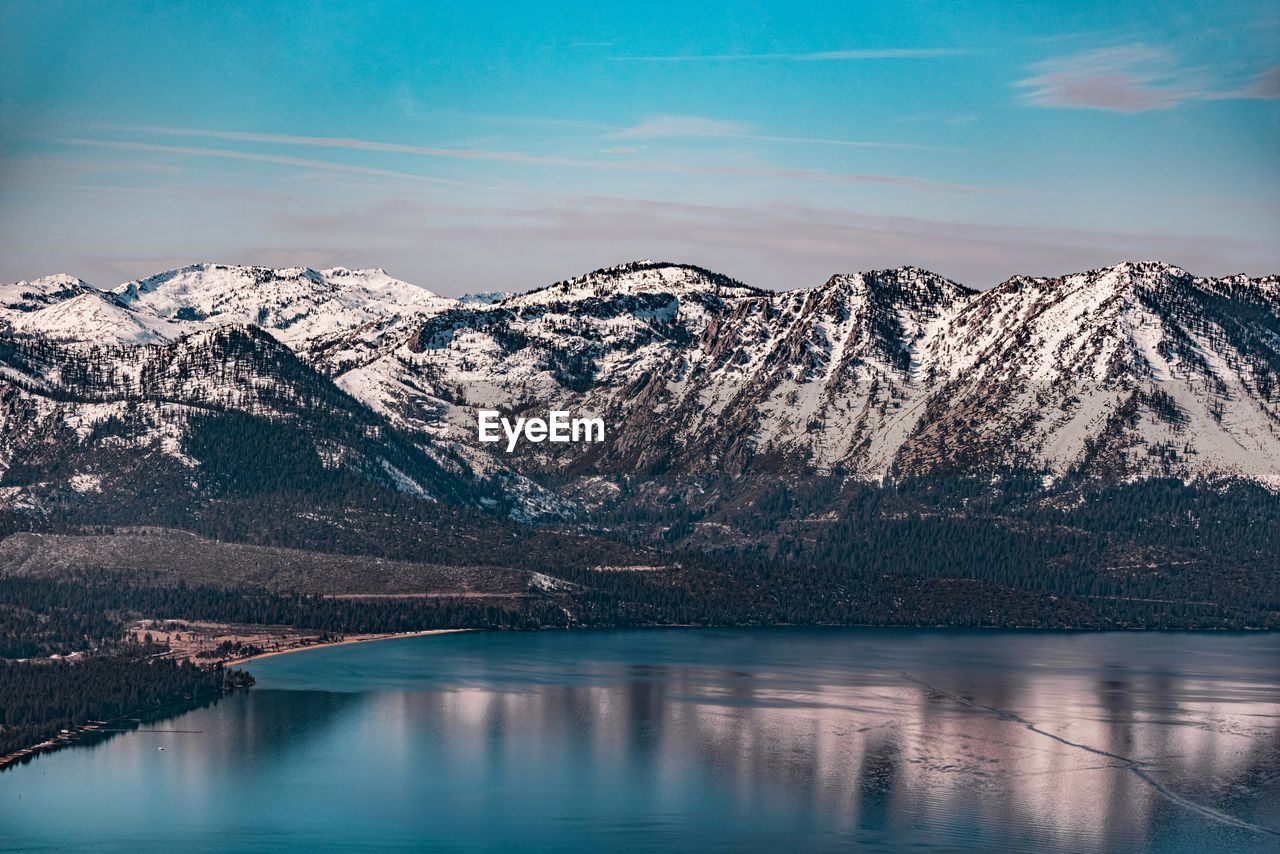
x,y
502,146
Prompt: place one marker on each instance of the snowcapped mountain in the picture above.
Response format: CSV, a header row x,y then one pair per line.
x,y
1142,369
1129,372
93,316
638,277
65,308
294,304
212,408
40,293
484,297
299,306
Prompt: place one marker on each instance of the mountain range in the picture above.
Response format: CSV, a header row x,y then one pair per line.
x,y
306,408
1132,371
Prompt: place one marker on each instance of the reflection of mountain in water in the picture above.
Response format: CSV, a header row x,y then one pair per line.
x,y
1074,762
696,739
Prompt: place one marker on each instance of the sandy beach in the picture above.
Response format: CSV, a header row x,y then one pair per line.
x,y
344,642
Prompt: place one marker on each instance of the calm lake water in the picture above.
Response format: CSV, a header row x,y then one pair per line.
x,y
770,740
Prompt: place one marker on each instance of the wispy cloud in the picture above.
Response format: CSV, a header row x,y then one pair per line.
x,y
537,121
670,126
773,245
278,159
348,143
1133,78
904,181
676,127
819,56
612,164
1266,86
666,127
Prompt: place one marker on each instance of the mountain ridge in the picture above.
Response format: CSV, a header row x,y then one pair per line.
x,y
1132,371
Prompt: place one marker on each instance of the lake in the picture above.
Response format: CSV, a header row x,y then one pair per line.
x,y
696,739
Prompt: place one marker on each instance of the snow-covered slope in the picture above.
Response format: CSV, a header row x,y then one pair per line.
x,y
295,304
581,345
1132,371
93,316
65,308
39,293
637,277
485,297
835,367
337,313
1140,369
206,412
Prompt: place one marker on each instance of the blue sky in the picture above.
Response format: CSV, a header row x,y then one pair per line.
x,y
503,146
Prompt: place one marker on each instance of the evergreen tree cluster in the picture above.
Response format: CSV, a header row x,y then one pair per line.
x,y
40,699
40,617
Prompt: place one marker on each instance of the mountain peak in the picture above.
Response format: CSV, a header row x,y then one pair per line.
x,y
60,279
1147,268
38,293
91,317
1126,273
1119,277
363,272
902,286
298,299
896,276
636,277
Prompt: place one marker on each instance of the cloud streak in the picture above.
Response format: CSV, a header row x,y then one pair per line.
x,y
350,144
1266,86
776,246
666,127
678,127
612,165
1135,78
858,55
277,159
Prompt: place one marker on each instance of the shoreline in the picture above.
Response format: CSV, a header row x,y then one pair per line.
x,y
95,728
91,729
347,641
86,732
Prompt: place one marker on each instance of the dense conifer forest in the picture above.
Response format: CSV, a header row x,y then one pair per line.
x,y
42,699
1150,555
1154,554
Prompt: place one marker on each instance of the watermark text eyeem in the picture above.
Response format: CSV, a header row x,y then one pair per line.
x,y
559,426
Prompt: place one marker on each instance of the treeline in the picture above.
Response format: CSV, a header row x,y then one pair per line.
x,y
349,516
1155,554
30,627
42,699
765,592
315,613
41,617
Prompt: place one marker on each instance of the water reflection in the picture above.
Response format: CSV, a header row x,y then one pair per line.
x,y
1052,756
807,739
